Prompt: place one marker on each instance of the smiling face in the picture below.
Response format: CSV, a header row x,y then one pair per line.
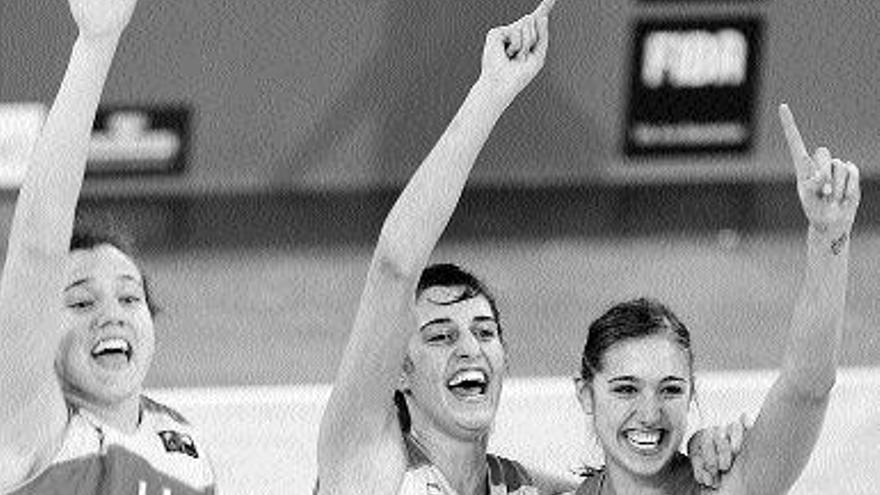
x,y
639,401
109,339
455,364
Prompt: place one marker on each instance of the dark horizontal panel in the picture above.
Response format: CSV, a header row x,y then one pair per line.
x,y
303,219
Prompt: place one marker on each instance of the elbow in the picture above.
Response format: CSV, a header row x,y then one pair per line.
x,y
822,386
813,387
396,263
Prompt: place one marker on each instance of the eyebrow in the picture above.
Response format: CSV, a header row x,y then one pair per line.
x,y
626,378
630,378
129,278
77,283
433,322
85,280
676,379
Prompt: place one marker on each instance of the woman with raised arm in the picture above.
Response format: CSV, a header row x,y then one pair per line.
x,y
448,339
432,336
636,380
76,319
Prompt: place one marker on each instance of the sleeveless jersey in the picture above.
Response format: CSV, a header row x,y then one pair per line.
x,y
163,457
595,479
506,477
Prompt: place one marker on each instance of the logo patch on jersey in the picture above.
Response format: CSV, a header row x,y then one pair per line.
x,y
179,442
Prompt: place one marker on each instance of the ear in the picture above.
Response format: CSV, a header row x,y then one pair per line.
x,y
405,373
506,368
584,392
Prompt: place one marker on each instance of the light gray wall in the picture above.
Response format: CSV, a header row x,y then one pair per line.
x,y
340,94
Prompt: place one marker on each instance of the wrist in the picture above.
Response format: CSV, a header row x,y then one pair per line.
x,y
96,46
833,241
491,93
103,39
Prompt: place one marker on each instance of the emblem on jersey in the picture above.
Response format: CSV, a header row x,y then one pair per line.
x,y
179,442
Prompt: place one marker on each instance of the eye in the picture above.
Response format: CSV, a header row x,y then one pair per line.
x,y
441,336
130,299
486,331
673,390
625,390
81,304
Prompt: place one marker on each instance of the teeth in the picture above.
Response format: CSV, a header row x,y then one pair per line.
x,y
644,438
111,345
468,376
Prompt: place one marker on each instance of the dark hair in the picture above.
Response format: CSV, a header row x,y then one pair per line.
x,y
633,319
452,275
89,233
403,417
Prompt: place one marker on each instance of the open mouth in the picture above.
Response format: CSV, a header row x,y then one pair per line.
x,y
645,441
112,352
469,384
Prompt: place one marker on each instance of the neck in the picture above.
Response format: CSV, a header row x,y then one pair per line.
x,y
462,462
123,415
675,476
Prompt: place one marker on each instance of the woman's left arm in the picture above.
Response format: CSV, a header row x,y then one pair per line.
x,y
777,448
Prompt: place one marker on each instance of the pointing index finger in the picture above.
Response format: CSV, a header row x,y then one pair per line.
x,y
796,147
545,7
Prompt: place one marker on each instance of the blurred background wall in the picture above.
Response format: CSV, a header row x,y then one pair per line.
x,y
309,115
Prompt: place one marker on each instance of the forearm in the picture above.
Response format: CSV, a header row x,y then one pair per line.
x,y
817,323
32,280
423,209
48,196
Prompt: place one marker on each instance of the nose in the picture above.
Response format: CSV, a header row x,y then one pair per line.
x,y
468,345
650,409
110,314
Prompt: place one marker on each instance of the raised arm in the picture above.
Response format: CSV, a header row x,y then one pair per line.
x,y
788,426
32,412
359,447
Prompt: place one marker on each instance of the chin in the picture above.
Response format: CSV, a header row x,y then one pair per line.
x,y
477,422
472,424
107,389
477,418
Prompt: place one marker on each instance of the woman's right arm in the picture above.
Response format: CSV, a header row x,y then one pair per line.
x,y
32,410
359,447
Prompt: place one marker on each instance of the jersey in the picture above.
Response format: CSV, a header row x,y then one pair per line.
x,y
506,477
162,457
596,479
593,481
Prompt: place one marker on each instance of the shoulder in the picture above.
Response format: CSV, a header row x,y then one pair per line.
x,y
75,457
150,406
509,474
171,444
175,433
591,481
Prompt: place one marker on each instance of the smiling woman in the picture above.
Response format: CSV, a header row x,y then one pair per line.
x,y
73,416
636,381
431,335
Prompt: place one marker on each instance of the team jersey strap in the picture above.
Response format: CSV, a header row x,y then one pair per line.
x,y
148,405
593,481
416,455
505,477
508,477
